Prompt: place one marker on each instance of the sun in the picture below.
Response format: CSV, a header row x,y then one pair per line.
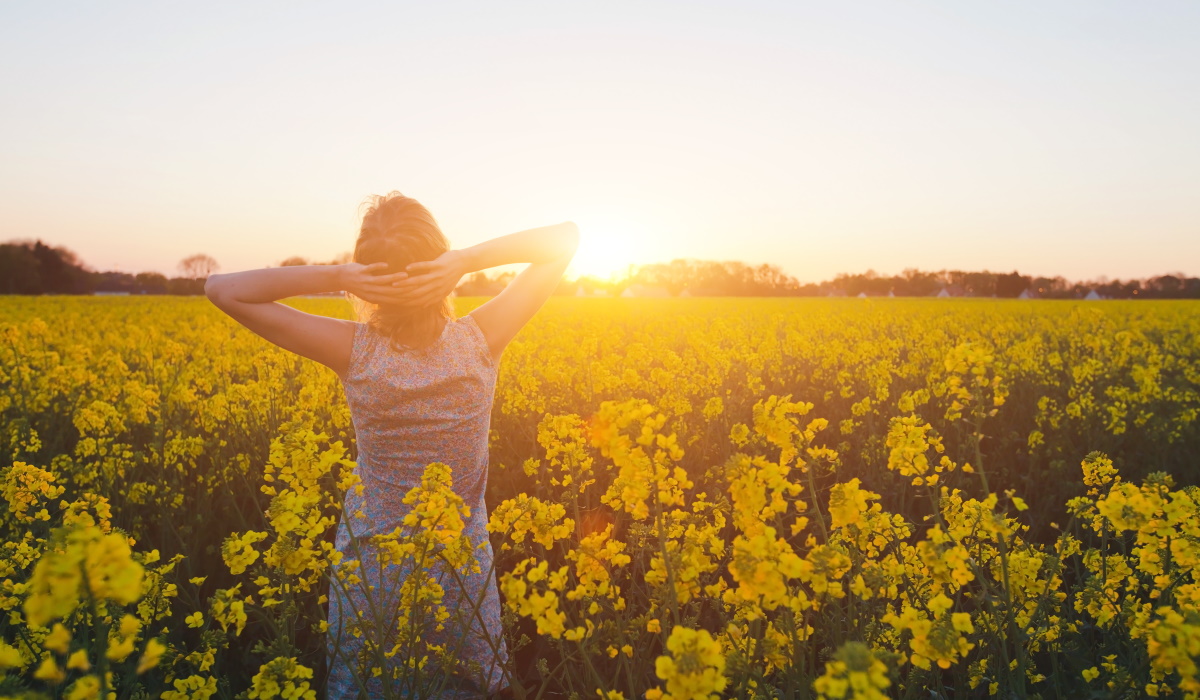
x,y
605,252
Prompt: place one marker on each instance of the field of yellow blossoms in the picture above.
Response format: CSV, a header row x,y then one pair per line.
x,y
689,498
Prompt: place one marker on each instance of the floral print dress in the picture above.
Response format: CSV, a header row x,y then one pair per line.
x,y
412,408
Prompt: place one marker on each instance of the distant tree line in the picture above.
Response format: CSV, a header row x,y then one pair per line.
x,y
709,278
916,283
34,267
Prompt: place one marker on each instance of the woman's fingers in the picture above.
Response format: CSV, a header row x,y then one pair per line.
x,y
417,283
388,279
385,288
369,297
405,284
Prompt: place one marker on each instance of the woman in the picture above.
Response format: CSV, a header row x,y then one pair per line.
x,y
420,384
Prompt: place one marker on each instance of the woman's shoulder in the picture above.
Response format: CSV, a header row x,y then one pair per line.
x,y
458,335
362,336
474,336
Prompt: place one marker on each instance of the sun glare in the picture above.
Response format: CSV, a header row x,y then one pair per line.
x,y
604,252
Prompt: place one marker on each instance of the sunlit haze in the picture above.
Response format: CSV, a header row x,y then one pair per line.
x,y
1053,138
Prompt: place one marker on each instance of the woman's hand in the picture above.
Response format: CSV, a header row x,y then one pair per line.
x,y
370,282
430,281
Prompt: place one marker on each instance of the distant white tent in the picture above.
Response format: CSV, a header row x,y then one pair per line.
x,y
891,293
628,292
1093,296
1027,294
862,295
943,294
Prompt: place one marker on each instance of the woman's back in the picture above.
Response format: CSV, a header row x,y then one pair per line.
x,y
414,407
411,408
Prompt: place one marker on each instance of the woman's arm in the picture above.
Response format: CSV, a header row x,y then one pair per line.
x,y
549,249
250,298
430,281
536,245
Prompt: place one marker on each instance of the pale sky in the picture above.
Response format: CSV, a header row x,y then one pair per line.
x,y
1049,137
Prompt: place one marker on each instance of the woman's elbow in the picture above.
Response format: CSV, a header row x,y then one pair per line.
x,y
570,239
215,289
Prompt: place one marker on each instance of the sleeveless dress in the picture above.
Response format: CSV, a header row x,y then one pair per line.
x,y
411,408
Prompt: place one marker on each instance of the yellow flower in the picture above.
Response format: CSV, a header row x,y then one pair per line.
x,y
50,672
909,441
191,688
854,673
282,678
10,656
526,515
25,489
934,640
238,551
111,572
848,503
229,610
525,592
150,657
86,688
78,661
82,561
695,667
59,639
119,648
1127,507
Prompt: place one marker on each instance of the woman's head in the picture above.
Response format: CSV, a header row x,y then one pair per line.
x,y
399,230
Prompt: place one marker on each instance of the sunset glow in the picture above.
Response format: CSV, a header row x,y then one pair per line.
x,y
604,252
821,138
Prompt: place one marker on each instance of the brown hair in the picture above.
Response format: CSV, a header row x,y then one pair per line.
x,y
399,230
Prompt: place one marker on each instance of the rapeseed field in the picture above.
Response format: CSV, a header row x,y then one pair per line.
x,y
689,498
